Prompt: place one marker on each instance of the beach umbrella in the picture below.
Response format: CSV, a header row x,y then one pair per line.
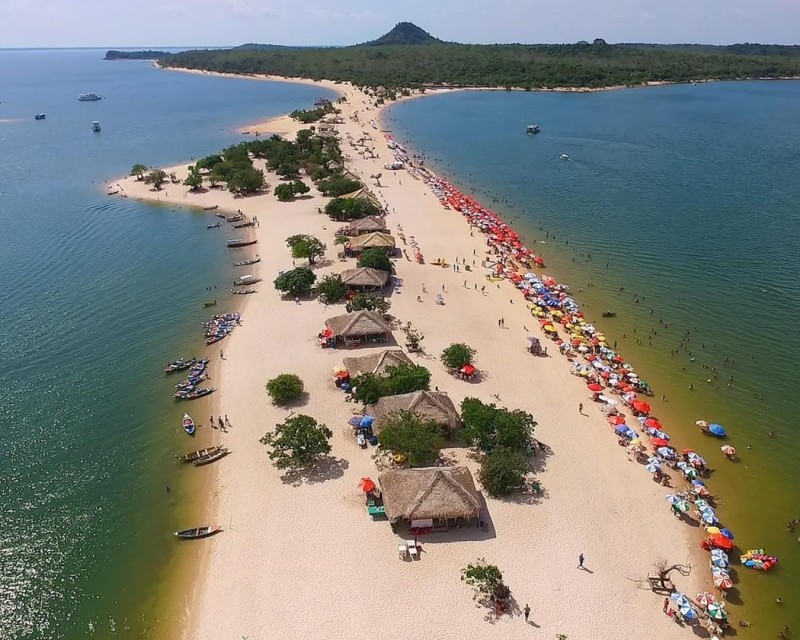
x,y
678,598
533,340
687,611
665,452
468,370
727,533
616,419
716,610
621,428
682,506
594,387
641,407
698,483
654,460
653,468
701,423
717,429
652,422
366,421
728,450
720,542
719,562
701,504
709,517
355,421
712,530
705,598
672,499
659,442
366,485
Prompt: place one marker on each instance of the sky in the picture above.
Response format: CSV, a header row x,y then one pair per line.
x,y
133,23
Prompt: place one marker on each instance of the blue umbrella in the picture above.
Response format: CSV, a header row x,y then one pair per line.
x,y
679,599
664,452
355,421
622,428
717,429
630,433
698,483
727,533
652,468
687,611
366,421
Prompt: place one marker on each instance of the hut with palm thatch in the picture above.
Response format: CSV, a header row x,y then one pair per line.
x,y
376,363
374,240
359,327
362,194
365,278
431,498
435,406
370,224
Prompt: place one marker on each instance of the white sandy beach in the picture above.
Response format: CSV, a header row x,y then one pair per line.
x,y
306,561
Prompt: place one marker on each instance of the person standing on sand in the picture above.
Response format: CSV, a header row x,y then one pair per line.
x,y
666,604
527,612
580,561
580,407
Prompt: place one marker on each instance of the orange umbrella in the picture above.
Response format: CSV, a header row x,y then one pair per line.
x,y
366,485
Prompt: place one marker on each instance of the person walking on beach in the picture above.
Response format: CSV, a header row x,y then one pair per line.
x,y
227,422
221,355
211,421
580,561
580,407
527,612
666,604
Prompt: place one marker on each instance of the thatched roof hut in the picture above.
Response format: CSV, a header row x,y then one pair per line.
x,y
430,405
363,194
376,363
360,326
365,278
366,225
376,239
430,497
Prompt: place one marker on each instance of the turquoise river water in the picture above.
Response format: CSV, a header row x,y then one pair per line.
x,y
678,208
97,294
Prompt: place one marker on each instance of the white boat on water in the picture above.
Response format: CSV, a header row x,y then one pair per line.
x,y
89,97
95,125
564,156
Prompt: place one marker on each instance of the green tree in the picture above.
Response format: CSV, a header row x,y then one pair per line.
x,y
419,439
368,388
295,282
306,246
285,388
457,355
375,258
331,289
246,181
343,209
413,337
208,162
284,192
487,427
503,471
367,302
406,378
299,187
139,170
298,443
194,180
156,177
338,185
486,581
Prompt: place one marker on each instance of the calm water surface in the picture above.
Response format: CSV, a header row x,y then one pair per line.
x,y
97,293
686,199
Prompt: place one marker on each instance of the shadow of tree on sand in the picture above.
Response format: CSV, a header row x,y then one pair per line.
x,y
329,468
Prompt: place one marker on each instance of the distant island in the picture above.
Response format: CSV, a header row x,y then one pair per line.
x,y
410,57
113,54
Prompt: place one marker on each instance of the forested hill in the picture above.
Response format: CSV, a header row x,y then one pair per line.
x,y
135,55
596,64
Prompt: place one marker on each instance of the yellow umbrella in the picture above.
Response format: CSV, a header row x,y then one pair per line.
x,y
635,441
550,328
584,373
713,529
558,313
569,325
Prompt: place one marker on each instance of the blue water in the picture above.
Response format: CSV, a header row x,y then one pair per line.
x,y
684,198
97,293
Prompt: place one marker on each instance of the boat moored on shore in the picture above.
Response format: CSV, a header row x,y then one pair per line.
x,y
198,532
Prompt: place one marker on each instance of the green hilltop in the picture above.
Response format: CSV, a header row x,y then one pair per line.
x,y
408,57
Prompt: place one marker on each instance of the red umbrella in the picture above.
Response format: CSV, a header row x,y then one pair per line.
x,y
615,420
366,485
594,387
659,442
654,424
605,375
641,407
467,369
720,542
685,451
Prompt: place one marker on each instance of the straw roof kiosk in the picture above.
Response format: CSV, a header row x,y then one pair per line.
x,y
376,363
431,498
364,278
429,405
360,327
374,240
369,224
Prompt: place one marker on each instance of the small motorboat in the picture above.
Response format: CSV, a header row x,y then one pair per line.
x,y
39,116
238,242
243,292
198,532
609,314
211,457
96,126
244,263
188,424
210,303
212,208
178,365
532,129
214,226
564,156
245,280
200,453
234,218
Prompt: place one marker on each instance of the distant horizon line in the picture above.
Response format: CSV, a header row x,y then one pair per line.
x,y
329,46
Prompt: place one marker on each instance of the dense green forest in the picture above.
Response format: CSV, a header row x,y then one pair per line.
x,y
416,60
